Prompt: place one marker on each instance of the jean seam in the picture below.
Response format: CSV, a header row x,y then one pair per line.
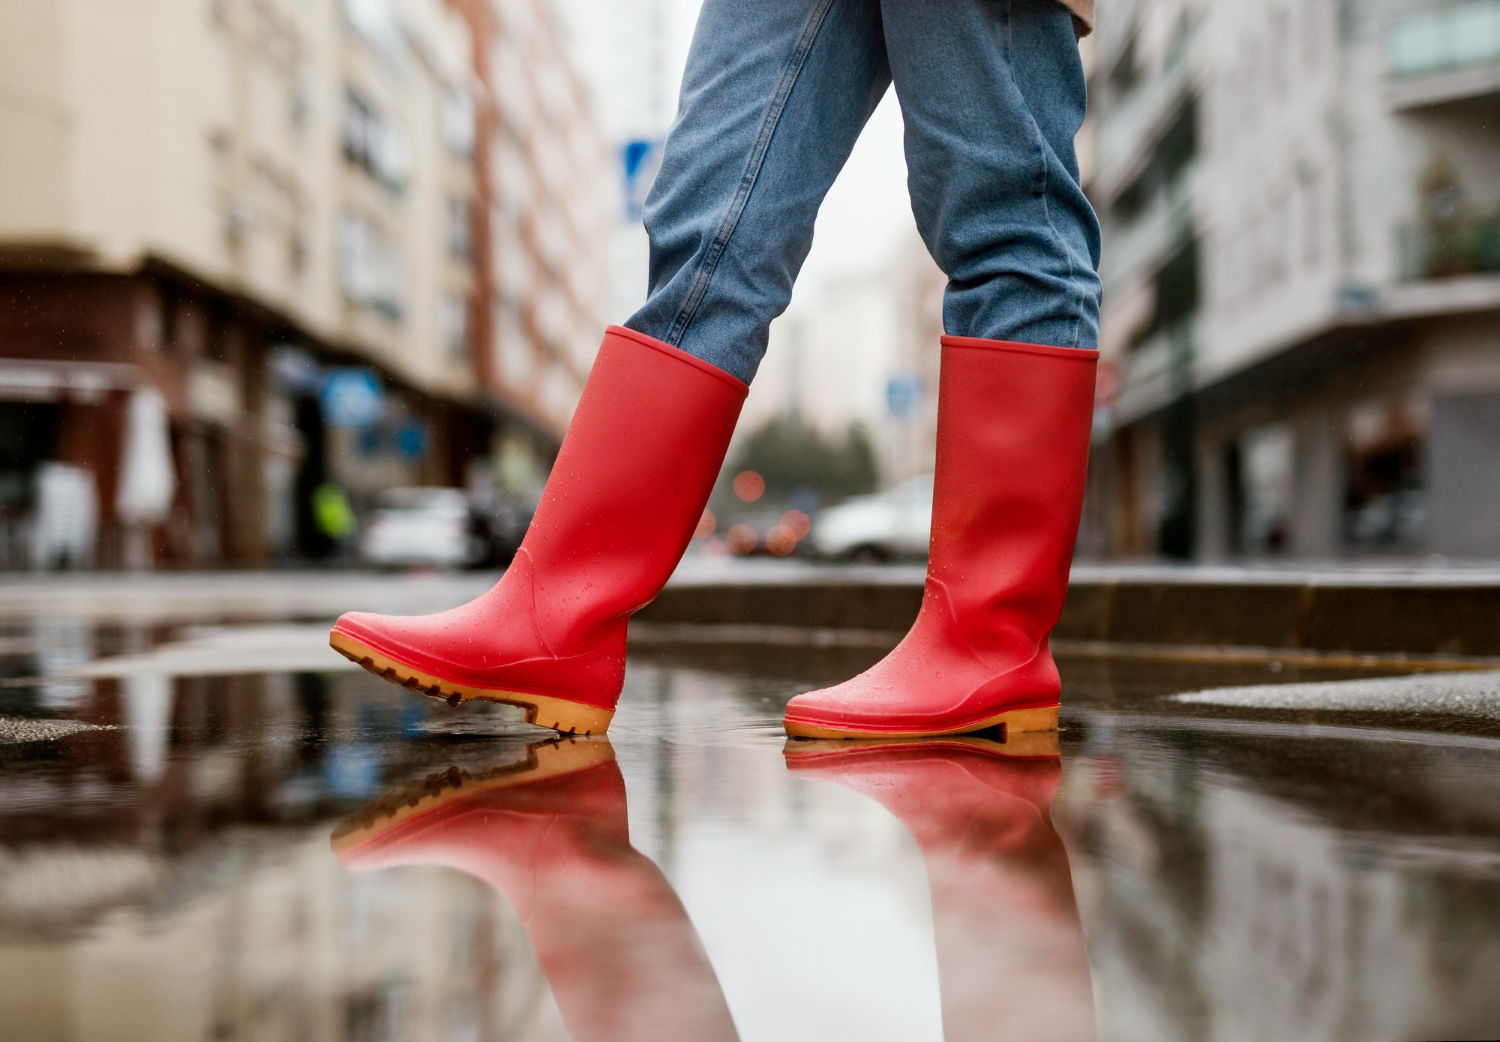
x,y
730,220
1041,144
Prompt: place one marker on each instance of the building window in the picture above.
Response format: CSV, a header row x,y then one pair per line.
x,y
1278,238
1456,37
374,142
459,223
1125,73
377,24
370,269
517,356
1310,183
454,317
1384,484
457,121
1261,472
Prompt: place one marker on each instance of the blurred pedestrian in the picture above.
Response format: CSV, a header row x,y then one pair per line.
x,y
773,98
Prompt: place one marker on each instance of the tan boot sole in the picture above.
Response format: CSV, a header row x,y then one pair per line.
x,y
550,759
1013,720
560,714
1017,745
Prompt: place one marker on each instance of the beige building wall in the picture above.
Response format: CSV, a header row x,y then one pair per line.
x,y
403,216
214,137
551,216
210,137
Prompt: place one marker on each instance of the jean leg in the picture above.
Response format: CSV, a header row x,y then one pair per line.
x,y
774,96
992,93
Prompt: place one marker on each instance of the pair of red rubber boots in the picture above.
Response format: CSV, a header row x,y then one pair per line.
x,y
621,955
630,485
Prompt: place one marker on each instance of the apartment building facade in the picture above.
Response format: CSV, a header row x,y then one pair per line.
x,y
229,205
1301,334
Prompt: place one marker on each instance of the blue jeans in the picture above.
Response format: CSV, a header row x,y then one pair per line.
x,y
774,96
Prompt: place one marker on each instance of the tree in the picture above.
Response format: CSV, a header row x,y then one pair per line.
x,y
795,459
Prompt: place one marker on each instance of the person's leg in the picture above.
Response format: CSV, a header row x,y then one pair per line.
x,y
774,96
992,93
776,93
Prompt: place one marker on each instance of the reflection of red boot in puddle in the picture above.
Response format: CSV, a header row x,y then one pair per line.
x,y
1011,958
619,952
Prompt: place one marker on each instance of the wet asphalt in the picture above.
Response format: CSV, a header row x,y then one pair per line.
x,y
212,826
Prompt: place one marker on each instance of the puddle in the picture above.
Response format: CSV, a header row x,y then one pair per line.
x,y
241,837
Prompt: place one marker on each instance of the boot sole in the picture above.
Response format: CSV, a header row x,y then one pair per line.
x,y
1017,745
1014,721
544,761
560,714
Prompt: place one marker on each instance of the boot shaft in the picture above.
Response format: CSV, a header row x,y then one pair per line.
x,y
1012,458
630,483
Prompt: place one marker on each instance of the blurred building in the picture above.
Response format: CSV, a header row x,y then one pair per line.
x,y
629,53
864,351
202,900
1301,334
551,207
295,228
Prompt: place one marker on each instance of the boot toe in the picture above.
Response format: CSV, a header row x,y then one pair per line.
x,y
378,632
844,705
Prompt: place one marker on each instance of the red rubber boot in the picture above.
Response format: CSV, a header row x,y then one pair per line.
x,y
1012,456
618,950
629,486
1012,963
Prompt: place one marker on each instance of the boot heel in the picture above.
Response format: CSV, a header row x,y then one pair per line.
x,y
1019,721
556,713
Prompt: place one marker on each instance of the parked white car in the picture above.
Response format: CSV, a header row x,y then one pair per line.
x,y
421,526
881,527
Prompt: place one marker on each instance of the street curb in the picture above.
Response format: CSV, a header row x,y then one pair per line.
x,y
1408,614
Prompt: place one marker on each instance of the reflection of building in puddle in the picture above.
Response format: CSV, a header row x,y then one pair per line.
x,y
60,644
291,949
180,886
1257,888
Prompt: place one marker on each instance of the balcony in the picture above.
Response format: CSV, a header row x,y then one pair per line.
x,y
1449,249
1128,133
1445,58
1145,242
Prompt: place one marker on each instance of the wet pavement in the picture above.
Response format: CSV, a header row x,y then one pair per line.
x,y
212,827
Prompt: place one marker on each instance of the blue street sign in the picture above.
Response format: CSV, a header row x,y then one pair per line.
x,y
901,394
352,398
411,439
638,160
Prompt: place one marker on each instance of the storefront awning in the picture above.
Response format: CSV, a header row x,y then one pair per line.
x,y
40,380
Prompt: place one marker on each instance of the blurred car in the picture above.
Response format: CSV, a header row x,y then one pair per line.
x,y
776,532
500,521
880,527
422,526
